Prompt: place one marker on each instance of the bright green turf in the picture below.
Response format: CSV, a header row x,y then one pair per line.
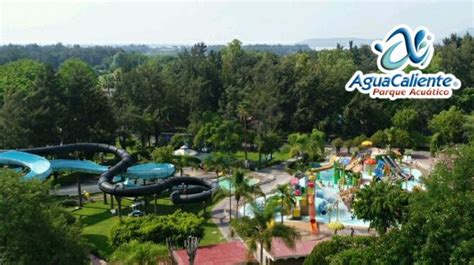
x,y
254,155
97,221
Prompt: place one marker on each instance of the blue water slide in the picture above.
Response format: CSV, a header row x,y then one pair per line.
x,y
379,169
40,168
140,171
84,166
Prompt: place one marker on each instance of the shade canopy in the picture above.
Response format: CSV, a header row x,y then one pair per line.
x,y
185,151
367,143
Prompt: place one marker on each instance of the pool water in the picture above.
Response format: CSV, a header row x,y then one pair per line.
x,y
225,182
328,194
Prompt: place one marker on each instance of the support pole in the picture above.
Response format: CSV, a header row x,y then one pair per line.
x,y
145,198
79,193
156,202
119,211
105,197
112,206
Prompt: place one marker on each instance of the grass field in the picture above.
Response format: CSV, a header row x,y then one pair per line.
x,y
97,221
254,155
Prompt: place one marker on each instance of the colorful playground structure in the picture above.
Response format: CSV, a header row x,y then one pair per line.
x,y
116,180
325,193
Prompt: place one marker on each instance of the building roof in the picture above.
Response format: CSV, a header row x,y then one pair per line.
x,y
302,248
234,252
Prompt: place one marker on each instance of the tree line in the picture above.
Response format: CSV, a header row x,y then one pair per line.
x,y
226,97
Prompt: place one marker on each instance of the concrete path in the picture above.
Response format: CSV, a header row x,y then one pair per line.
x,y
90,186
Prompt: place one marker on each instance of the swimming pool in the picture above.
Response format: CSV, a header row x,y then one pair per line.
x,y
225,182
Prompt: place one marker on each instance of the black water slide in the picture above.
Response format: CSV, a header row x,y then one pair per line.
x,y
200,189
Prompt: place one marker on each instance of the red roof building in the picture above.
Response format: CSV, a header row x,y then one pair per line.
x,y
234,252
281,254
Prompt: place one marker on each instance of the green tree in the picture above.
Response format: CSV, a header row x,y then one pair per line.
x,y
439,226
242,189
310,146
163,154
383,204
261,229
134,252
180,162
338,143
334,251
29,105
87,115
450,125
219,162
348,144
285,198
267,144
379,138
406,119
35,229
244,118
221,136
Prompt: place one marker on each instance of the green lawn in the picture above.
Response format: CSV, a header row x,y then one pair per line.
x,y
254,155
97,221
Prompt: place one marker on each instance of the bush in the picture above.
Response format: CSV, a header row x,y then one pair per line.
x,y
135,252
323,253
338,143
379,139
178,226
163,154
178,140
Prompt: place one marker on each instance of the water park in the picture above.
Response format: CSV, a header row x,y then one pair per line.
x,y
123,179
322,194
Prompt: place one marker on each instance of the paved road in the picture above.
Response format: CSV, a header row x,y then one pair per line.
x,y
90,186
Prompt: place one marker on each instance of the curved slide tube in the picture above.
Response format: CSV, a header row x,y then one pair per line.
x,y
39,167
106,179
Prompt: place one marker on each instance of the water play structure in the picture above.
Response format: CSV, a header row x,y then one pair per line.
x,y
113,180
324,194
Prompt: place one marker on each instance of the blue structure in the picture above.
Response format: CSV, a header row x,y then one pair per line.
x,y
114,180
40,168
379,170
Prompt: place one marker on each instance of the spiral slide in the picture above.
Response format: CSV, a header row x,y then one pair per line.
x,y
41,168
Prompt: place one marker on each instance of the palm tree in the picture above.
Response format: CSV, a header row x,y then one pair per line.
x,y
180,162
286,198
261,229
218,162
244,116
241,187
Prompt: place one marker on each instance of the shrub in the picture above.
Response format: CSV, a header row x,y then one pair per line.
x,y
337,143
135,252
177,226
323,253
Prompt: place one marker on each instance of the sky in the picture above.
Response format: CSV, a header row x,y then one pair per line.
x,y
219,22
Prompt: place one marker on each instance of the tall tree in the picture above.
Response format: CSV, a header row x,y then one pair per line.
x,y
261,229
30,105
87,114
35,229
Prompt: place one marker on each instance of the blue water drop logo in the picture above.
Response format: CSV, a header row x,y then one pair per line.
x,y
402,47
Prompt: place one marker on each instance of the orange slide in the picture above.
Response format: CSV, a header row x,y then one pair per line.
x,y
312,210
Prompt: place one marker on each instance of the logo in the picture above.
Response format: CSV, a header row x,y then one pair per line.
x,y
400,48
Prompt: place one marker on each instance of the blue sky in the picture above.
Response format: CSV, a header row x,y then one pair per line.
x,y
157,22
